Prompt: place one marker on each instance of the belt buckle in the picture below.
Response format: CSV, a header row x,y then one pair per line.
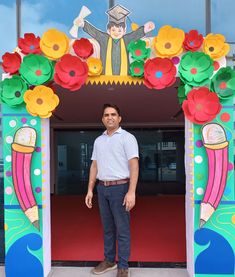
x,y
106,183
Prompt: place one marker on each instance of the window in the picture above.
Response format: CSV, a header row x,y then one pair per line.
x,y
161,162
223,20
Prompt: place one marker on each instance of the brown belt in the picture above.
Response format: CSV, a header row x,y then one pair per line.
x,y
113,183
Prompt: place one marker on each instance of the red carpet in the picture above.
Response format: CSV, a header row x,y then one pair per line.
x,y
157,230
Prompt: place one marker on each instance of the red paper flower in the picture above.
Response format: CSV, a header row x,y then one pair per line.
x,y
83,48
11,62
201,105
193,41
70,72
29,44
159,73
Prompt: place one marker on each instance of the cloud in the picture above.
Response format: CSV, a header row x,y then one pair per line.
x,y
32,21
168,12
7,29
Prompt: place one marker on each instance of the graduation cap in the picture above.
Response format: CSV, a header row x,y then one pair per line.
x,y
118,14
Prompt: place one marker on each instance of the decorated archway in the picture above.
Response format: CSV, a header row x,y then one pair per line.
x,y
206,93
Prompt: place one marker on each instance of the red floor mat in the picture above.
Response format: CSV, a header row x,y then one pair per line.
x,y
157,230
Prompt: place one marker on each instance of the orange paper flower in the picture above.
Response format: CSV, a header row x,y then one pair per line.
x,y
54,44
169,42
41,101
215,46
94,66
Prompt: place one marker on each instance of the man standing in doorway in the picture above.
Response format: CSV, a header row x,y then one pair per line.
x,y
115,165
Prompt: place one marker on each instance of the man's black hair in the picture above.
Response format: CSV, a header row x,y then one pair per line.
x,y
111,24
107,105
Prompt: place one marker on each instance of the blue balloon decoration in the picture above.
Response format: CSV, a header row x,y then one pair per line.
x,y
20,262
217,258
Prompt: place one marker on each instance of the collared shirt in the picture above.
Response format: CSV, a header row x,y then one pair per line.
x,y
112,154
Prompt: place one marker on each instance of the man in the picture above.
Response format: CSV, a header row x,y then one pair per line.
x,y
113,44
115,165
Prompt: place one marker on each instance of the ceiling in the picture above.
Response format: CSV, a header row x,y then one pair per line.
x,y
140,106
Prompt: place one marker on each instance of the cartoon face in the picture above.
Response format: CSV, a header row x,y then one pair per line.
x,y
116,32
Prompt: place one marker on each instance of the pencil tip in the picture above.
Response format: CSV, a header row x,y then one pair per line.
x,y
36,224
202,223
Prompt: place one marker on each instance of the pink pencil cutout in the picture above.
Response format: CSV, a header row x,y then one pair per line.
x,y
22,149
216,144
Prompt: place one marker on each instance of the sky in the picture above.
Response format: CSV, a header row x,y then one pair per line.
x,y
38,16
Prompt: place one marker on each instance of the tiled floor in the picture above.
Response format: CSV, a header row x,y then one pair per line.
x,y
134,272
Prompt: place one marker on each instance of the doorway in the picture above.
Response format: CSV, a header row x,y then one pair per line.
x,y
160,198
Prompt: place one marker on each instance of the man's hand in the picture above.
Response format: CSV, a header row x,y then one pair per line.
x,y
148,27
88,199
129,201
79,22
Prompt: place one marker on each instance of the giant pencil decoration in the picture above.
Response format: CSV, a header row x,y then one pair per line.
x,y
216,144
22,149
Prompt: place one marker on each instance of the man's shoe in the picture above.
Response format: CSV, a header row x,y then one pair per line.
x,y
103,267
123,272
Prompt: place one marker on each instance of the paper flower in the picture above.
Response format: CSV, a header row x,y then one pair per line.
x,y
137,69
138,50
29,44
196,68
223,83
83,48
193,41
41,101
12,91
94,66
201,105
36,69
215,46
11,62
54,44
70,72
159,73
169,42
181,93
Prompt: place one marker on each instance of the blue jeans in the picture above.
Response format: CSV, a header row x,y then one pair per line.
x,y
116,223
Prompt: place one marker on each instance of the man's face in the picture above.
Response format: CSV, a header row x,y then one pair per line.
x,y
111,119
116,32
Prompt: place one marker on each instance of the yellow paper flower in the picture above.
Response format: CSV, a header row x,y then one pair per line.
x,y
215,46
41,101
54,44
94,66
169,42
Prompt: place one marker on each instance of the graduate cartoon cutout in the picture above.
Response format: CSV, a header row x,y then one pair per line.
x,y
114,42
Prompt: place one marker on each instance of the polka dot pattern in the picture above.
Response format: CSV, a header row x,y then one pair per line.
x,y
37,171
9,139
200,191
8,158
12,123
198,159
8,190
225,117
199,143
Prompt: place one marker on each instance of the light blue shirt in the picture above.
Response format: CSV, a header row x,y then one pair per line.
x,y
112,154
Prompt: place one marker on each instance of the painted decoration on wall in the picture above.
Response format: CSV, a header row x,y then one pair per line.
x,y
23,147
214,194
27,263
120,57
216,144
